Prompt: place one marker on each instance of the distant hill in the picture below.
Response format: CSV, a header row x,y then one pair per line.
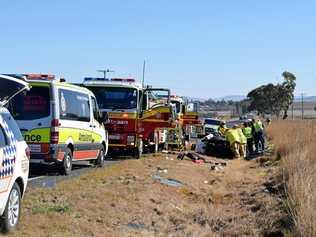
x,y
306,98
234,98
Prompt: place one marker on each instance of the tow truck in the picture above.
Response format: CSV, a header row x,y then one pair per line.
x,y
137,115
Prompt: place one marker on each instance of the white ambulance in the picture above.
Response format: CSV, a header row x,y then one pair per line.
x,y
14,156
60,122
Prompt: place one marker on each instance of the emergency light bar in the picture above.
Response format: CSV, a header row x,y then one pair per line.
x,y
127,80
95,79
33,76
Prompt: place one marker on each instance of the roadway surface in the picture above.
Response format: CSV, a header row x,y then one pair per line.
x,y
48,176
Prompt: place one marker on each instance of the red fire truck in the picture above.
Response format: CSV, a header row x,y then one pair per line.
x,y
137,115
187,116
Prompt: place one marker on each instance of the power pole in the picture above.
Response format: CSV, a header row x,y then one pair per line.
x,y
144,68
293,110
302,105
105,71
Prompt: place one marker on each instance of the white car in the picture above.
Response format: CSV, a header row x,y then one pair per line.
x,y
14,156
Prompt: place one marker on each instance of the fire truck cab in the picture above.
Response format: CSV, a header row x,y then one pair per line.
x,y
187,116
136,114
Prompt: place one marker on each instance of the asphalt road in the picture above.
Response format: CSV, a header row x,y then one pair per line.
x,y
48,176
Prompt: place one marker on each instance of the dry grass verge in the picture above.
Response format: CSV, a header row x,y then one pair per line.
x,y
295,143
127,200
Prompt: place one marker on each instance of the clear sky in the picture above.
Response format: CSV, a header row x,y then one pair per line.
x,y
197,48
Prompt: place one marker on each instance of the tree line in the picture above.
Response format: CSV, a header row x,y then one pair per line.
x,y
269,99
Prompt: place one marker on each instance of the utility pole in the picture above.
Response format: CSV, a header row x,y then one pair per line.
x,y
144,68
293,110
302,105
105,71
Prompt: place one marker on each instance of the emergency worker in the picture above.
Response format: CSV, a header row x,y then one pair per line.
x,y
247,131
242,142
232,137
222,128
258,134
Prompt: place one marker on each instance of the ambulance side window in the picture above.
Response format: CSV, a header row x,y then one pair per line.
x,y
74,106
3,138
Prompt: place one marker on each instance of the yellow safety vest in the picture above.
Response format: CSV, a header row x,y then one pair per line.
x,y
232,136
247,132
242,138
258,126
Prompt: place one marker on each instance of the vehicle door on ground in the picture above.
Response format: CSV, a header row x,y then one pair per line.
x,y
76,124
33,112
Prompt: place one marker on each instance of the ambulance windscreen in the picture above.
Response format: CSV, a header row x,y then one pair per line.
x,y
34,104
115,98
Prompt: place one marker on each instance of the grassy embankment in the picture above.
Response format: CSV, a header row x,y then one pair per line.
x,y
295,144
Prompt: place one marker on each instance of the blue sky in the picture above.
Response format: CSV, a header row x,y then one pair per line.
x,y
196,48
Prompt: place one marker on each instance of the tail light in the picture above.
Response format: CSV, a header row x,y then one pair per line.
x,y
54,132
28,153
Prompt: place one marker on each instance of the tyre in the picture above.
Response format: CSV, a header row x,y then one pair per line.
x,y
11,215
139,150
99,162
66,165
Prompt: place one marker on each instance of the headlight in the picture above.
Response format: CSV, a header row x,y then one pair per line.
x,y
131,140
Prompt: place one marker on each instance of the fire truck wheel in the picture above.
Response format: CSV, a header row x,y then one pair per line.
x,y
11,215
66,165
99,162
139,150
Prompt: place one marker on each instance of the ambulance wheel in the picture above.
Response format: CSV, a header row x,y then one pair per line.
x,y
99,162
139,150
66,165
11,215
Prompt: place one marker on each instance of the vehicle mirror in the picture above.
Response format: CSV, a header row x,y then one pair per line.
x,y
105,118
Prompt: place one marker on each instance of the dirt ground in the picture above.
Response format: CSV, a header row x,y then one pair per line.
x,y
131,199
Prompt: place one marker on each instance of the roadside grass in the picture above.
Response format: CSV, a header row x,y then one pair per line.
x,y
126,200
295,143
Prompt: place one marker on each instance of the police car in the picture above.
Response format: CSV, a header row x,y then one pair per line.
x,y
14,156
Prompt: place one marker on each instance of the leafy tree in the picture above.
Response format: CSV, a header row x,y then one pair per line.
x,y
273,99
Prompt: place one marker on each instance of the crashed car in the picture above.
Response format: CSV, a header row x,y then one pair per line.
x,y
214,145
14,156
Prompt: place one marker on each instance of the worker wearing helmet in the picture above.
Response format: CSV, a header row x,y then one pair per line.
x,y
247,131
222,128
258,134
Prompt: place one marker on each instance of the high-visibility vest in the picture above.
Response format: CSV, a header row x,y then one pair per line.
x,y
258,126
247,132
222,130
232,136
242,138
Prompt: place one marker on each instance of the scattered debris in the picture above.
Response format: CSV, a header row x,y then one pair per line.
x,y
169,182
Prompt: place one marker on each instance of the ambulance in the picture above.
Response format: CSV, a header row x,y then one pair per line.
x,y
60,122
137,114
14,156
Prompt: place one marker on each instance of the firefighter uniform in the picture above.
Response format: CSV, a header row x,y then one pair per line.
x,y
222,129
242,143
232,137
